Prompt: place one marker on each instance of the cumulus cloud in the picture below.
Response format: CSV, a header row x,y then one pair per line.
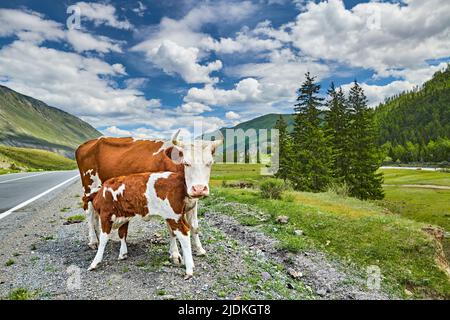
x,y
193,108
179,46
374,35
102,14
175,59
70,81
82,41
30,26
231,115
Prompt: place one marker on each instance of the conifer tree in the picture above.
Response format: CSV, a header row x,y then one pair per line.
x,y
311,152
365,155
284,149
337,128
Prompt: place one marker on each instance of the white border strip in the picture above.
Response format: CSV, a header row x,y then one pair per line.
x,y
23,204
34,175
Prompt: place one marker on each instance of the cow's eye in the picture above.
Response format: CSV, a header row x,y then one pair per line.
x,y
187,164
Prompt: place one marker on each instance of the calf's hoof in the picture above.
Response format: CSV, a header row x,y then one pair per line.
x,y
123,256
176,259
200,252
93,245
188,276
92,267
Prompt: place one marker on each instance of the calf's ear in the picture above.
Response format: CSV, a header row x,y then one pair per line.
x,y
175,154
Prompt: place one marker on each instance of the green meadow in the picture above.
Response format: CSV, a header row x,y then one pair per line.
x,y
390,233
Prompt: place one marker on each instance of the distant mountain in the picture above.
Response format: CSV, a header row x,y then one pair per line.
x,y
266,121
416,124
27,122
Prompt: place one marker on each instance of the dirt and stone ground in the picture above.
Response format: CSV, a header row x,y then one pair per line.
x,y
45,257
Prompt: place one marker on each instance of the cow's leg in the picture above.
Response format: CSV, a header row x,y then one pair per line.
x,y
104,237
123,232
174,254
193,222
92,222
185,241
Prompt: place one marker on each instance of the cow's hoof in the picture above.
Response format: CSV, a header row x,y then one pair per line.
x,y
188,276
93,245
92,267
123,256
176,259
200,252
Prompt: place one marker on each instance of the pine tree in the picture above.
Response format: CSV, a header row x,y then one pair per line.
x,y
311,151
284,149
337,128
365,155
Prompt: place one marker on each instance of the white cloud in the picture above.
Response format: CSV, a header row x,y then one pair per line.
x,y
173,58
29,26
179,46
140,9
102,14
231,115
82,41
374,35
116,132
79,85
193,108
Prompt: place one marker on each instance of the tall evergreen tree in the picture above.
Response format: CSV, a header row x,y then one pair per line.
x,y
365,155
311,151
284,149
337,128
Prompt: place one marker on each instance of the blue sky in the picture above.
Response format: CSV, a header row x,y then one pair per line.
x,y
146,68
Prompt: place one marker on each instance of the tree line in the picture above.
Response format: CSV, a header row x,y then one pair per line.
x,y
415,125
334,142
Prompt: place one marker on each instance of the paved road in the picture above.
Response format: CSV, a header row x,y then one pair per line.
x,y
21,188
412,168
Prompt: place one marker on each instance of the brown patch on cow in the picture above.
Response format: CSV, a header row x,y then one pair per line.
x,y
113,157
134,202
172,188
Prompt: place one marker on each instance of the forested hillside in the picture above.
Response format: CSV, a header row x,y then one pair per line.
x,y
415,126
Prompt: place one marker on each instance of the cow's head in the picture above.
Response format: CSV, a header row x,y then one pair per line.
x,y
197,158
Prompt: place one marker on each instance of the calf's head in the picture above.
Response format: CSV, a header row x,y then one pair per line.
x,y
197,158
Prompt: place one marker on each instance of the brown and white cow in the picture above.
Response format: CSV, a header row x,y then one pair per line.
x,y
104,158
144,194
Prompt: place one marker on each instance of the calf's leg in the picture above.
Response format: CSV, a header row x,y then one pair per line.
x,y
106,226
123,232
174,254
92,222
193,222
181,231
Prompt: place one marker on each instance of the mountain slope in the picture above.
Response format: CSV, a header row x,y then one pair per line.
x,y
266,121
27,122
415,118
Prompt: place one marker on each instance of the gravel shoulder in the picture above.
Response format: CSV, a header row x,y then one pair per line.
x,y
45,257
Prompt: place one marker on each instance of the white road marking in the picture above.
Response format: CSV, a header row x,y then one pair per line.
x,y
23,204
34,175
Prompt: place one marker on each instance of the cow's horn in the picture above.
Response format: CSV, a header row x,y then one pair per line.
x,y
175,140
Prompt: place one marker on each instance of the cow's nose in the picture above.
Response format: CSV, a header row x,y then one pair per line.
x,y
200,190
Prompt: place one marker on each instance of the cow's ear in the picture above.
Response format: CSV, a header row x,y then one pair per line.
x,y
175,154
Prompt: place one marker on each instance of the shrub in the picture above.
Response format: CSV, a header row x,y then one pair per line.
x,y
341,189
272,188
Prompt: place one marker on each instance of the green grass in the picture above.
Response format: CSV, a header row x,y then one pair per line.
x,y
356,232
421,177
20,294
10,262
34,159
76,218
236,172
